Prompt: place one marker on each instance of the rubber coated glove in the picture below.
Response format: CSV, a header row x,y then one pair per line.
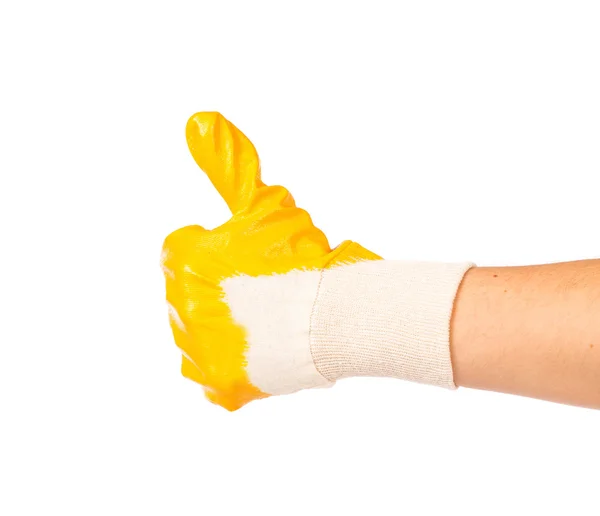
x,y
266,254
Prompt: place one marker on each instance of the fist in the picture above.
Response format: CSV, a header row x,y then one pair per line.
x,y
240,296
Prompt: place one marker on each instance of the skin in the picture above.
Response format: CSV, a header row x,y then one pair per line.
x,y
532,331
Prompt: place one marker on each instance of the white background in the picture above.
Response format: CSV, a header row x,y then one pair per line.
x,y
423,130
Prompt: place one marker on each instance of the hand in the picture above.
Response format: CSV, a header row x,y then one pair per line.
x,y
239,296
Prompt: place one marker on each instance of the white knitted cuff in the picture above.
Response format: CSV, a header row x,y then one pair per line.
x,y
386,318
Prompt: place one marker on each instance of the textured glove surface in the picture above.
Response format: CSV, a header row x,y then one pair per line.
x,y
267,234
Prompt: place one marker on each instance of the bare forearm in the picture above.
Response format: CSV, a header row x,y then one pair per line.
x,y
532,331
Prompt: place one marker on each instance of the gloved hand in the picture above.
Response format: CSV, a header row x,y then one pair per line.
x,y
263,306
240,296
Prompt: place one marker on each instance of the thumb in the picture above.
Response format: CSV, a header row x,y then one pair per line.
x,y
227,156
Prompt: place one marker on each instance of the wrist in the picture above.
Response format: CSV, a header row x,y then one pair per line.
x,y
386,318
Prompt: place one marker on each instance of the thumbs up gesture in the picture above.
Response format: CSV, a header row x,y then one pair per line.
x,y
241,296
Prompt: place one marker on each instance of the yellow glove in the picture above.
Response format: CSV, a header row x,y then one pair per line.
x,y
268,251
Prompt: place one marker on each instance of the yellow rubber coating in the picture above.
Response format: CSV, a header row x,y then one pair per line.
x,y
267,234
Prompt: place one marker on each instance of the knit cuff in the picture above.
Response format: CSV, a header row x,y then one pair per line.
x,y
386,318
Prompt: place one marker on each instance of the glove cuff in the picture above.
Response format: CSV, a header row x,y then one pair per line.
x,y
386,318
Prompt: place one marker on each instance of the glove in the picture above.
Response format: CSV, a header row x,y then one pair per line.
x,y
263,306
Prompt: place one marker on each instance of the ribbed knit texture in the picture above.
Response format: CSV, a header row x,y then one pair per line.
x,y
386,318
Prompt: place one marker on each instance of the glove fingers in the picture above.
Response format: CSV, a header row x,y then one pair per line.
x,y
227,156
